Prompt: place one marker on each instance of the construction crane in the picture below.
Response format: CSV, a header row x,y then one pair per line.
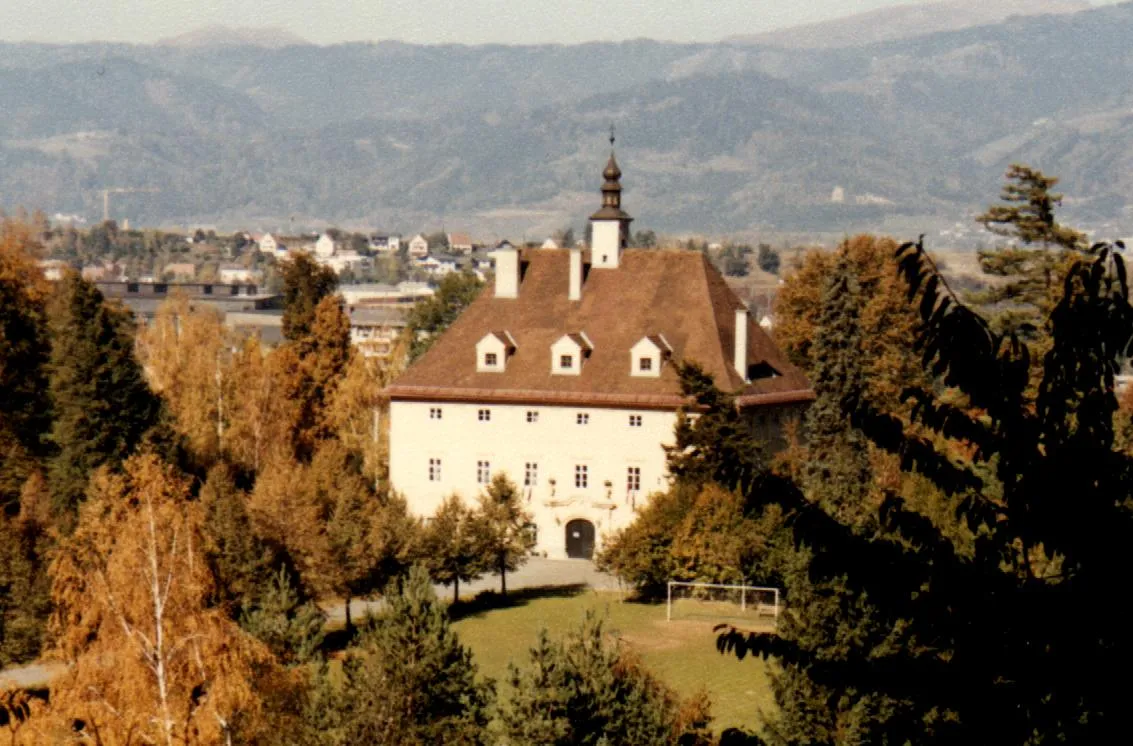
x,y
120,190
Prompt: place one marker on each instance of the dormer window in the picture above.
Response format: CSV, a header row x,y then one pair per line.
x,y
493,351
648,355
569,353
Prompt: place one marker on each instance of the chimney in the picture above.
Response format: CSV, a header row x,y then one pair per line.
x,y
507,273
740,360
575,275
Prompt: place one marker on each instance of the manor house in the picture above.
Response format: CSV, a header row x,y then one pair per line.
x,y
563,376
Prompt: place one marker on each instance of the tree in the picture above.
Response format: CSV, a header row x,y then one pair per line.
x,y
291,626
25,591
645,240
305,283
448,546
410,680
502,529
768,259
438,240
102,405
264,405
324,354
429,317
584,690
1021,302
25,405
888,322
186,354
1009,641
150,661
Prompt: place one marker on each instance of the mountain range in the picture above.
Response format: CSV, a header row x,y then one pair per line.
x,y
263,131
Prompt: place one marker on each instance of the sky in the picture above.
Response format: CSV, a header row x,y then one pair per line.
x,y
421,21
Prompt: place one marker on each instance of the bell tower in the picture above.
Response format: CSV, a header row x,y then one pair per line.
x,y
610,225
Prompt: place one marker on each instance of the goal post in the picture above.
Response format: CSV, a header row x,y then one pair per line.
x,y
744,602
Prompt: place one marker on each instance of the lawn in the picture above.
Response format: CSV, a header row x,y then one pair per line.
x,y
681,653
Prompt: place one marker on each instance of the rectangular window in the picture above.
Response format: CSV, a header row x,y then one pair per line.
x,y
645,363
484,415
635,420
208,289
530,474
434,470
582,418
532,415
160,288
566,362
131,287
633,479
490,359
434,413
483,472
581,476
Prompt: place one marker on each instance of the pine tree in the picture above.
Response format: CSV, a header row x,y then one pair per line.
x,y
448,546
1010,639
25,406
429,318
1030,275
305,284
410,681
291,626
584,690
25,590
102,405
502,529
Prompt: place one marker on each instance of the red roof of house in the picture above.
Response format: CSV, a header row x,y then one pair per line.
x,y
678,294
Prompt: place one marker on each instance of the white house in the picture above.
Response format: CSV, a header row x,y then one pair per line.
x,y
418,246
325,246
562,375
459,243
267,244
383,243
232,274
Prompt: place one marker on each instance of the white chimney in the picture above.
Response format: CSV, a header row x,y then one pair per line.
x,y
507,273
575,275
741,343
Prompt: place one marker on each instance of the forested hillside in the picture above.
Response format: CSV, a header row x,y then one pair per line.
x,y
719,137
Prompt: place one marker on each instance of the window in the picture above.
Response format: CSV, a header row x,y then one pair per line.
x,y
645,363
530,474
633,479
582,418
566,362
435,413
131,287
490,359
581,476
484,415
483,472
635,420
532,415
434,470
160,288
208,289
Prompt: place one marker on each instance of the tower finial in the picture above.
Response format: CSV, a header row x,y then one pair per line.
x,y
612,134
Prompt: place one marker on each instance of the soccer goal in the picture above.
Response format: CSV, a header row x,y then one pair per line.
x,y
744,603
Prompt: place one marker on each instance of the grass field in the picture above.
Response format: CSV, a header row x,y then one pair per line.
x,y
681,653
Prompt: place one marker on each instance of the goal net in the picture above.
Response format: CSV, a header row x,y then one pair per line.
x,y
725,603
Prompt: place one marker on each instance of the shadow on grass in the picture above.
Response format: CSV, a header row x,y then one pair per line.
x,y
486,601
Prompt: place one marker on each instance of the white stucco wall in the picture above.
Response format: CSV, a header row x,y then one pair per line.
x,y
607,445
605,244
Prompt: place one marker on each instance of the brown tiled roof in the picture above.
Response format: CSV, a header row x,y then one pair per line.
x,y
678,294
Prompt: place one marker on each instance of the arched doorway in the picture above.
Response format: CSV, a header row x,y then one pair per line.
x,y
580,539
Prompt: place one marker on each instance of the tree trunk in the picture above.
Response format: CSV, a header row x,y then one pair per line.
x,y
503,576
349,626
455,590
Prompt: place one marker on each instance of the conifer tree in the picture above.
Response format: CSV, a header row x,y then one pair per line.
x,y
25,407
448,546
410,681
324,354
585,691
25,590
1021,301
1010,639
102,405
305,284
502,529
431,316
